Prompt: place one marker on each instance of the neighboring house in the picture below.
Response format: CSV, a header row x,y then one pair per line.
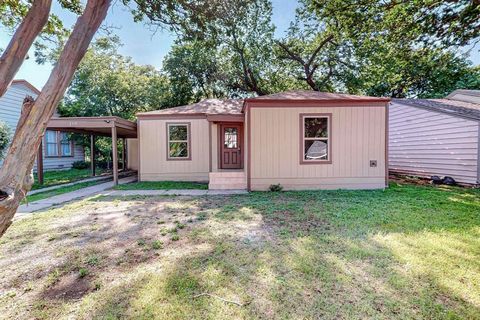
x,y
58,151
299,139
437,136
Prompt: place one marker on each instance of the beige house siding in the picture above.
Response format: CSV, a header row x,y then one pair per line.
x,y
427,143
358,136
214,155
132,154
154,165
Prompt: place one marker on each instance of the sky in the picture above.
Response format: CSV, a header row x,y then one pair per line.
x,y
144,45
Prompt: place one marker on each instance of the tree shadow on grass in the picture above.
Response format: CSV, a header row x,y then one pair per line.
x,y
403,253
307,264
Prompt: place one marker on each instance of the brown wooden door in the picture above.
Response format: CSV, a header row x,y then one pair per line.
x,y
231,146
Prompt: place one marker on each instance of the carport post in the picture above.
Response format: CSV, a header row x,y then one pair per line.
x,y
40,163
92,155
115,154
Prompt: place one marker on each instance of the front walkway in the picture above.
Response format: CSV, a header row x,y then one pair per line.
x,y
103,189
62,198
63,185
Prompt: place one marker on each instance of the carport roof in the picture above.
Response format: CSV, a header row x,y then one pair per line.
x,y
99,126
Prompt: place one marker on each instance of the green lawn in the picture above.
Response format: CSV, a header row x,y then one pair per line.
x,y
162,185
409,252
63,176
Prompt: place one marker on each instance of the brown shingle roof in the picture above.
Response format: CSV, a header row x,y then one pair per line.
x,y
447,106
316,96
207,106
234,106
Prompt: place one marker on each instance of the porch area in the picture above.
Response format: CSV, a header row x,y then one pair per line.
x,y
228,171
109,126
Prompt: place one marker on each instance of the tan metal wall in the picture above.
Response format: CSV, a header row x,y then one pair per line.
x,y
214,150
358,136
132,154
154,165
427,143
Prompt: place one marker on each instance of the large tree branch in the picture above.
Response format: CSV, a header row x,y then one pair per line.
x,y
290,54
16,51
319,47
15,173
309,66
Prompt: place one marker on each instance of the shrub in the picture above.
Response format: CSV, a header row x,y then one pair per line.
x,y
5,135
82,273
157,244
275,187
81,165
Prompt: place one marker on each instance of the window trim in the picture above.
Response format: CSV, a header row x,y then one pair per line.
x,y
302,137
189,141
58,142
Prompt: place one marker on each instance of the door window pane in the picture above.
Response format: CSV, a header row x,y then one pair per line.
x,y
231,138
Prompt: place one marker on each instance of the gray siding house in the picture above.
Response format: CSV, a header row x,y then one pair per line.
x,y
436,136
58,152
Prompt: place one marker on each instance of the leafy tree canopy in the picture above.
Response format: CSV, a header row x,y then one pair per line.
x,y
240,32
107,83
13,11
428,22
353,46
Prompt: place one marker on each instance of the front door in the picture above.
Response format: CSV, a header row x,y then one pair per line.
x,y
231,136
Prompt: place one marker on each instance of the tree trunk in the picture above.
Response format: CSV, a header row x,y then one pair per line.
x,y
21,42
15,175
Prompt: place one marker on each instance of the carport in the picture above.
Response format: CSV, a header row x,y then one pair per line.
x,y
114,127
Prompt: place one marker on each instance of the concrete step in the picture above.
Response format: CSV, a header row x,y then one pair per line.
x,y
227,180
227,174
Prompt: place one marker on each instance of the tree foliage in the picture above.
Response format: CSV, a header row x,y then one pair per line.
x,y
355,46
109,84
194,72
5,135
426,22
53,35
241,33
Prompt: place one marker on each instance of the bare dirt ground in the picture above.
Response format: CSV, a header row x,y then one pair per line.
x,y
409,252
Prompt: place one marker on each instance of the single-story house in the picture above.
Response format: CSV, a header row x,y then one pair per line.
x,y
299,139
58,151
437,137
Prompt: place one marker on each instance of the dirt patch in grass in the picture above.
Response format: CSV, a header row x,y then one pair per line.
x,y
70,287
407,252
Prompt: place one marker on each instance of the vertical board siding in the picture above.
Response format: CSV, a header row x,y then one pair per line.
x,y
154,165
427,143
215,146
358,136
132,154
10,109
